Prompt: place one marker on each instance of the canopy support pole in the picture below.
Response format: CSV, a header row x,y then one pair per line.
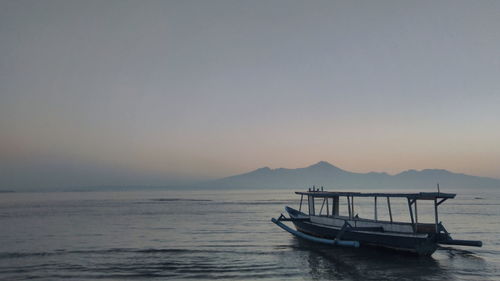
x,y
349,207
389,206
310,203
411,213
436,215
352,206
327,207
322,205
335,206
416,216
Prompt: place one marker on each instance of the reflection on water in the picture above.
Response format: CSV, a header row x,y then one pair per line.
x,y
215,235
467,263
334,263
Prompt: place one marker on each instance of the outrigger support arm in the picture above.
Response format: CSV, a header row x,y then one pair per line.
x,y
472,243
450,241
342,230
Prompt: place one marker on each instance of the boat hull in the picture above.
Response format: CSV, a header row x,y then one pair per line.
x,y
419,245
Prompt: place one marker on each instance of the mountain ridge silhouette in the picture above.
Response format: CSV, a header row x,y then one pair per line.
x,y
330,176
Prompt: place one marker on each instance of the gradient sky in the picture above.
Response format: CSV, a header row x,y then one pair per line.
x,y
166,92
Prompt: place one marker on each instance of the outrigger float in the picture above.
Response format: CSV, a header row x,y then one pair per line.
x,y
329,227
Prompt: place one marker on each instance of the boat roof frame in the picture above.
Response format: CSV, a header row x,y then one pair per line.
x,y
415,196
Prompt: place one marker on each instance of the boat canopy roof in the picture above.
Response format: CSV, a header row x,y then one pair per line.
x,y
419,195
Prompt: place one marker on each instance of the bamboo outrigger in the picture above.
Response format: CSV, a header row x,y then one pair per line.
x,y
330,227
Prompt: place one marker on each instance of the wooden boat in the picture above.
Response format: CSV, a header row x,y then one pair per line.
x,y
330,227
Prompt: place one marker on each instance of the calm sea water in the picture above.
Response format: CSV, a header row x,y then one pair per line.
x,y
218,235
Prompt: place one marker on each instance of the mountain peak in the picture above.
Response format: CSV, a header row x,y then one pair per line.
x,y
322,164
325,167
263,169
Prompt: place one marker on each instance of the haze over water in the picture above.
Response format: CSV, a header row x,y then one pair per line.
x,y
219,235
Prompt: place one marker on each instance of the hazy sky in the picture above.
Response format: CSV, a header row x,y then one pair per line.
x,y
162,92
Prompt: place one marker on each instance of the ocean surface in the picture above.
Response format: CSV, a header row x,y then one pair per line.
x,y
224,234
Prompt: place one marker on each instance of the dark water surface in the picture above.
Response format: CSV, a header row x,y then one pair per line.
x,y
218,234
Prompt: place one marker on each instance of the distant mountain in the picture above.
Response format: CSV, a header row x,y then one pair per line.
x,y
331,177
